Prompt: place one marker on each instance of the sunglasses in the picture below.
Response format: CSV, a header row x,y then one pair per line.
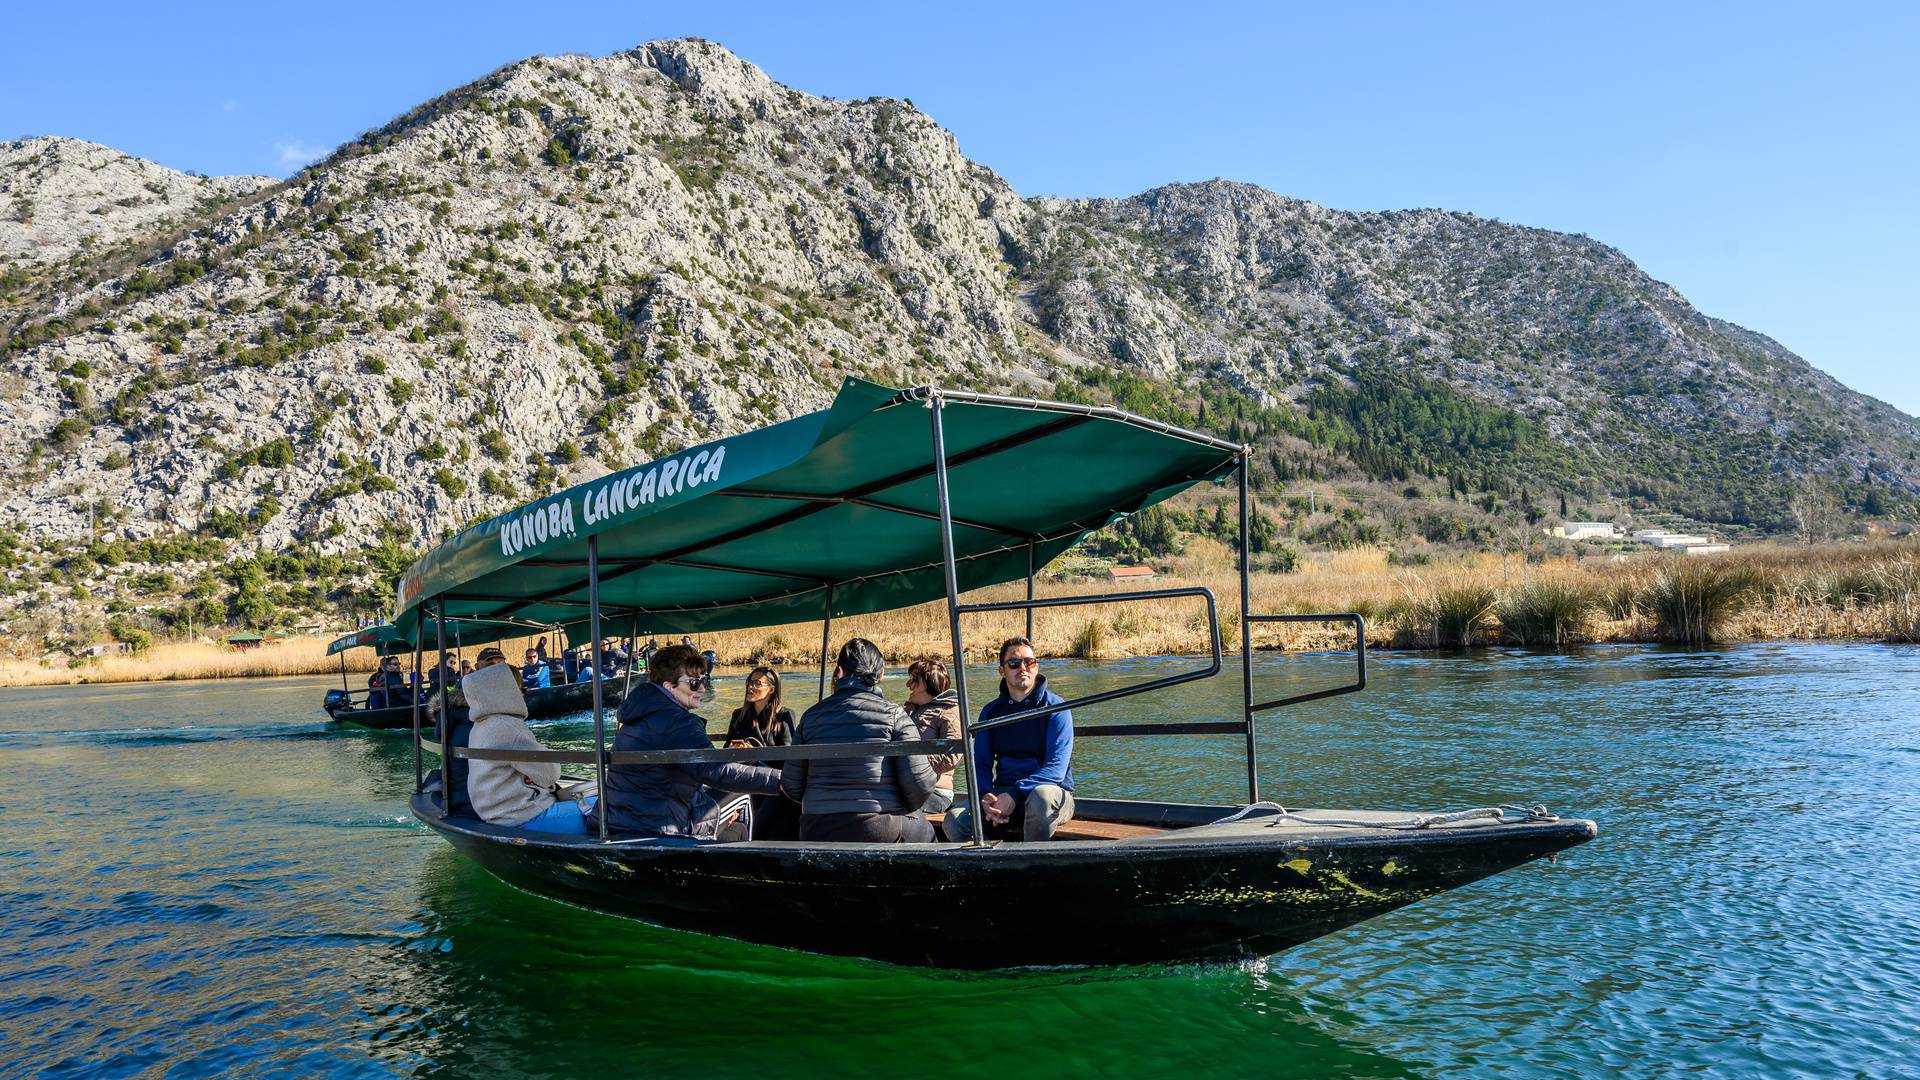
x,y
697,682
759,684
1019,663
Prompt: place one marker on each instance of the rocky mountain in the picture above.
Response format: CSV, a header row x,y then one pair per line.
x,y
1651,396
59,197
574,263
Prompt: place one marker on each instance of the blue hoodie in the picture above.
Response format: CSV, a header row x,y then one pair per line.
x,y
1022,756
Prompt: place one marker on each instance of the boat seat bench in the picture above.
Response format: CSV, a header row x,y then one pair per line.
x,y
1089,830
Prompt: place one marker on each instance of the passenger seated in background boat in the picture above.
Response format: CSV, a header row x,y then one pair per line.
x,y
1024,771
388,686
762,721
466,668
673,800
535,675
441,673
613,657
456,699
935,709
524,794
863,799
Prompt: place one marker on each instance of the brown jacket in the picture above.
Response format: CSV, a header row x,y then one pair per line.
x,y
939,719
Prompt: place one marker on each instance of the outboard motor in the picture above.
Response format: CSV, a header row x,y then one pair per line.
x,y
336,700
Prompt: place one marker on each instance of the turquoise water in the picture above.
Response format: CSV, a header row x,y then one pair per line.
x,y
200,879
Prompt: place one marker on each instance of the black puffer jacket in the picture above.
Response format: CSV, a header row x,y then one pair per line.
x,y
656,800
856,713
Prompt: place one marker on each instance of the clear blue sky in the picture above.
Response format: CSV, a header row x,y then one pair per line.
x,y
1760,158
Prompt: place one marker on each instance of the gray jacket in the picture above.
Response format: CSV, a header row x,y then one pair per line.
x,y
504,792
856,713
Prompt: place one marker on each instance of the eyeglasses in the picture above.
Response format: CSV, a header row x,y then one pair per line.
x,y
759,684
1019,663
697,682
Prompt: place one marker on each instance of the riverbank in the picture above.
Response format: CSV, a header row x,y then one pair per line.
x,y
1841,592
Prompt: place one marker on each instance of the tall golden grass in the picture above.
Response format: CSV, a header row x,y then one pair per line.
x,y
1856,592
171,661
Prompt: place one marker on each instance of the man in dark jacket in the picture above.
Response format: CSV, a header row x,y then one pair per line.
x,y
1023,771
862,800
388,685
673,800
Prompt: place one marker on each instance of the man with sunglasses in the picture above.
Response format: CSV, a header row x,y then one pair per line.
x,y
388,686
673,800
1023,771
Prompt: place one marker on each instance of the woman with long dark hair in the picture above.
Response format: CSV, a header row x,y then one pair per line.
x,y
762,721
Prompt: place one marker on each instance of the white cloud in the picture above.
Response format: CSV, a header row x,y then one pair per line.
x,y
296,153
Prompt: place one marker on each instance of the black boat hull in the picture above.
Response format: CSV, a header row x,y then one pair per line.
x,y
544,703
1203,894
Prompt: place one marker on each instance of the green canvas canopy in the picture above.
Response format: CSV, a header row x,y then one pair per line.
x,y
832,512
389,641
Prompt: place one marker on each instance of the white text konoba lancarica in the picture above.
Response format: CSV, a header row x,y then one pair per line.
x,y
538,524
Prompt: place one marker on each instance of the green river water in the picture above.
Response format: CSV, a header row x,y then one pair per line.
x,y
201,879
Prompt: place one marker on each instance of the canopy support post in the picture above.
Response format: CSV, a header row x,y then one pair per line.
x,y
826,640
934,403
419,761
599,712
633,656
444,726
1246,636
344,688
1029,592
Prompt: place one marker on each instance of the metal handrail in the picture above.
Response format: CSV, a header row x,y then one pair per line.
x,y
1360,655
1213,637
810,752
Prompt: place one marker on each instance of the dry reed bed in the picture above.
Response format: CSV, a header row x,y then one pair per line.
x,y
1860,592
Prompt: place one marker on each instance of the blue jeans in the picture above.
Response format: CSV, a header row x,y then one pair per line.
x,y
568,817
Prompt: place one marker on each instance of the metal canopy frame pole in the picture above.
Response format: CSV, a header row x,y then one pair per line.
x,y
419,762
1246,636
1030,592
934,403
826,641
599,710
444,726
633,656
344,688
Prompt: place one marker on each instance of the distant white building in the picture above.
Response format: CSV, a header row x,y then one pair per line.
x,y
1706,549
1648,536
1678,540
1587,530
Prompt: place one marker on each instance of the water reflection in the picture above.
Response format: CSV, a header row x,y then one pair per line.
x,y
503,978
207,878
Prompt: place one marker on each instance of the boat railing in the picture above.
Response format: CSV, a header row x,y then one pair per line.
x,y
1359,683
1211,669
810,752
823,751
